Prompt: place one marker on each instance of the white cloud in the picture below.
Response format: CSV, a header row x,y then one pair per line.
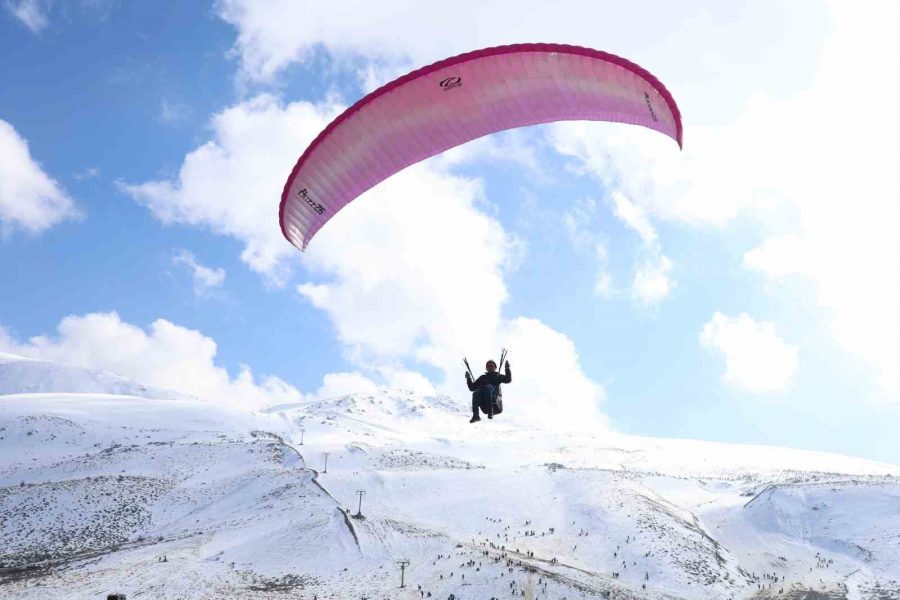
x,y
273,35
89,173
603,283
372,75
31,13
423,276
173,357
756,359
727,94
840,173
549,387
652,281
851,256
335,385
423,282
401,379
173,111
29,198
812,162
578,220
35,14
780,256
633,215
204,277
341,384
166,356
233,183
708,184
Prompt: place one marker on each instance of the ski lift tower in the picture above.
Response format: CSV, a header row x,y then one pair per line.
x,y
403,564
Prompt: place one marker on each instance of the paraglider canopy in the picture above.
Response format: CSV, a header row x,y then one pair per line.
x,y
457,100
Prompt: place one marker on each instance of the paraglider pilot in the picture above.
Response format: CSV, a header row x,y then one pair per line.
x,y
486,389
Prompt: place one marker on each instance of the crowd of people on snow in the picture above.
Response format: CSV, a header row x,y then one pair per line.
x,y
514,558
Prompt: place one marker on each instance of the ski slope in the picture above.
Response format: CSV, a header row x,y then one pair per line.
x,y
100,482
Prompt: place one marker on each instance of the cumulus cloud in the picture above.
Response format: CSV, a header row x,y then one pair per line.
x,y
274,35
166,356
89,173
403,379
31,13
173,111
578,220
821,186
579,223
603,283
756,359
35,14
843,184
30,199
423,274
652,281
634,217
169,356
232,184
711,182
335,385
647,179
732,133
851,256
781,256
551,389
423,283
205,278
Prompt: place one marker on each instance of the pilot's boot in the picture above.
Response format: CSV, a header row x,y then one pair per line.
x,y
475,416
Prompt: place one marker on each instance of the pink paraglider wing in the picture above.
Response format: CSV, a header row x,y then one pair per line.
x,y
455,101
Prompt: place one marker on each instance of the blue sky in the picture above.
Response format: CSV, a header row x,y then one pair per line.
x,y
140,232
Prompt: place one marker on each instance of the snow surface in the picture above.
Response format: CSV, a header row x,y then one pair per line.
x,y
101,478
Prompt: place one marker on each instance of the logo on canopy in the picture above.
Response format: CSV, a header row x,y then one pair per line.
x,y
451,82
650,107
318,208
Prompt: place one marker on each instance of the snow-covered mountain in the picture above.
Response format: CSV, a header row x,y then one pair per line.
x,y
21,375
100,481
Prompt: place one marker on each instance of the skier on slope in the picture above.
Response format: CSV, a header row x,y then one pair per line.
x,y
486,388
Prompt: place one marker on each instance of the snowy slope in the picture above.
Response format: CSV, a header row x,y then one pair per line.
x,y
96,486
659,513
